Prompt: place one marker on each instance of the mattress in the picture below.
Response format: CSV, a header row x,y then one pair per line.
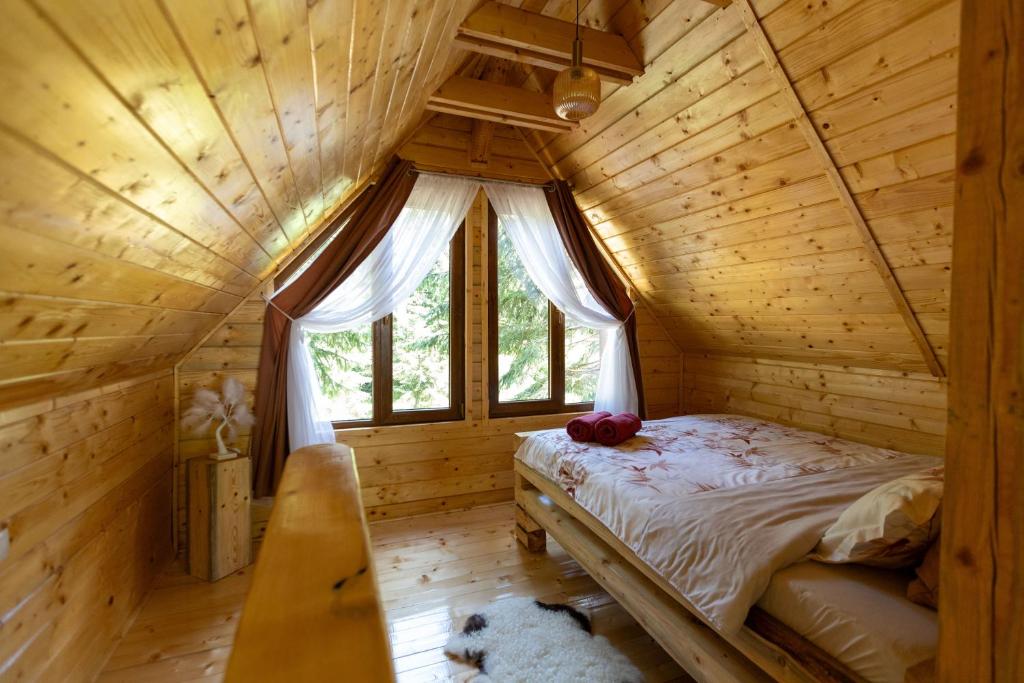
x,y
859,615
716,504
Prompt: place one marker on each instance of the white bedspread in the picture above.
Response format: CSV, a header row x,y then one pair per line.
x,y
717,503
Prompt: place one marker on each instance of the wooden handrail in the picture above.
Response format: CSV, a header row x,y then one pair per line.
x,y
313,612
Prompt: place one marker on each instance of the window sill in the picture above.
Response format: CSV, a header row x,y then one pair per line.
x,y
476,423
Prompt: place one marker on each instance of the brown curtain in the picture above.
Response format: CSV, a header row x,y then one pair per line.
x,y
601,280
375,211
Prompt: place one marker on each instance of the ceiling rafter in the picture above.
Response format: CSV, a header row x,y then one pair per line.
x,y
504,31
483,131
499,103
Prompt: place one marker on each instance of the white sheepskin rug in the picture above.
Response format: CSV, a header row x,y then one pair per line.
x,y
521,640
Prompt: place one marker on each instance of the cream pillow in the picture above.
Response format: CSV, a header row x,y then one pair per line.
x,y
889,526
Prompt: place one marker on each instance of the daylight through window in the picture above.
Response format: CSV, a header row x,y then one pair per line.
x,y
406,367
542,363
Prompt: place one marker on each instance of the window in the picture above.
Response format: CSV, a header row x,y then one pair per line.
x,y
406,367
538,363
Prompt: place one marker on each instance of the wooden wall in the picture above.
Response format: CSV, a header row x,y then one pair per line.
x,y
442,144
702,183
413,469
894,409
85,491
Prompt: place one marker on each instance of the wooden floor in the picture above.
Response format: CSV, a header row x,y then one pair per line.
x,y
434,571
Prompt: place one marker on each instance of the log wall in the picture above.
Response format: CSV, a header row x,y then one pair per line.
x,y
893,409
85,492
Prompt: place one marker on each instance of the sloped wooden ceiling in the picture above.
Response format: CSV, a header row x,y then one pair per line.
x,y
700,181
161,157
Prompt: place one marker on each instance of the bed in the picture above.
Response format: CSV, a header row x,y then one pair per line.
x,y
708,517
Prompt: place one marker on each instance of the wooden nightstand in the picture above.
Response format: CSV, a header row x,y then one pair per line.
x,y
219,526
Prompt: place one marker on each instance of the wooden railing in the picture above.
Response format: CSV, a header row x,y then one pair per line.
x,y
313,612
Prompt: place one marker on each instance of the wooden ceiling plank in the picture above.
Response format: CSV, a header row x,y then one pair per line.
x,y
396,48
519,33
761,206
882,59
702,143
282,35
65,270
747,155
367,40
790,169
40,194
393,25
815,142
137,53
704,95
79,119
330,25
429,40
444,61
27,316
837,34
227,62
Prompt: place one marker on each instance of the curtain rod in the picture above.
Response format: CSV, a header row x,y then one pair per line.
x,y
547,187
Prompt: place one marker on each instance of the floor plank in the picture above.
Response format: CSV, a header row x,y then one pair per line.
x,y
434,571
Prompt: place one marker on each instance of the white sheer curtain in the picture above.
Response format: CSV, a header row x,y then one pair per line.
x,y
523,212
381,283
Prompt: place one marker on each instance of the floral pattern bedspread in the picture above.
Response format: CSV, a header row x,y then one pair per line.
x,y
717,503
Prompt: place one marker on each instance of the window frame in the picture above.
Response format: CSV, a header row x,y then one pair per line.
x,y
553,405
384,413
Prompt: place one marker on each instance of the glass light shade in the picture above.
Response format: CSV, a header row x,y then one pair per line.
x,y
577,93
577,90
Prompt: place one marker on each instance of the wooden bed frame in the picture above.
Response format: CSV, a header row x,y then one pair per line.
x,y
764,650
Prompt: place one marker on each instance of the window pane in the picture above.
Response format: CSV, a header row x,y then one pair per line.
x,y
344,366
582,362
523,353
421,343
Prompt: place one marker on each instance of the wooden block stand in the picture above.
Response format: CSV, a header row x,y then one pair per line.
x,y
220,529
530,534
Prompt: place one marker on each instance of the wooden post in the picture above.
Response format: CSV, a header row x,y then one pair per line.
x,y
981,593
530,534
219,526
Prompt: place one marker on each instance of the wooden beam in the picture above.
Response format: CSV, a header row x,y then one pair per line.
x,y
504,31
447,160
981,605
314,606
499,103
483,131
816,144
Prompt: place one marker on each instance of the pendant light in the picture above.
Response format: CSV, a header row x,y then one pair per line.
x,y
577,90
